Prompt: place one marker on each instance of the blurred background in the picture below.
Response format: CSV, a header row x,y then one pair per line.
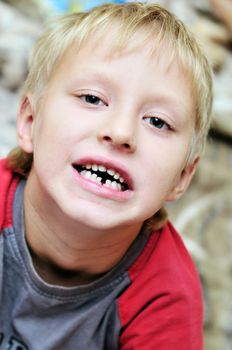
x,y
204,215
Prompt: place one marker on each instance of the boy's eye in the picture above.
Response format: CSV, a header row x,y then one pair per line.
x,y
157,123
93,100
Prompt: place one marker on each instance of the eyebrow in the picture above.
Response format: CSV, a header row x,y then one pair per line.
x,y
90,76
170,101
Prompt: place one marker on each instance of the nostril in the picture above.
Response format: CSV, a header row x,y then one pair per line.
x,y
106,138
117,141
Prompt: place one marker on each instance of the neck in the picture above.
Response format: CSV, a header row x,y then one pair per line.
x,y
66,252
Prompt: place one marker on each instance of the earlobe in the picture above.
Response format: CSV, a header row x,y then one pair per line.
x,y
184,180
25,121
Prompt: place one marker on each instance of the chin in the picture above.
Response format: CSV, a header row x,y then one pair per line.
x,y
91,217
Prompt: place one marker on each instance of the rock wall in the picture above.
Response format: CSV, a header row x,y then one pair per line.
x,y
203,216
17,35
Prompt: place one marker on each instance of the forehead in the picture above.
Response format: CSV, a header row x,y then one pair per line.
x,y
115,40
100,53
114,43
148,75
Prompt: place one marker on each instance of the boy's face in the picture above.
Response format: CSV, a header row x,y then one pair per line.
x,y
130,114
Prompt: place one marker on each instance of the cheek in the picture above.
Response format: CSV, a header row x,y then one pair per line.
x,y
50,130
161,171
49,148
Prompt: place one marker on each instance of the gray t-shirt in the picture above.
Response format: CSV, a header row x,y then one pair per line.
x,y
38,316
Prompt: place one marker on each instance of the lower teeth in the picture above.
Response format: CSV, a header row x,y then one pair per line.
x,y
114,185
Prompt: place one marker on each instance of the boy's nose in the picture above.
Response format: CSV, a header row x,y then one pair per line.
x,y
120,136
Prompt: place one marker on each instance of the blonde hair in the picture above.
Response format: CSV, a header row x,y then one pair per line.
x,y
156,25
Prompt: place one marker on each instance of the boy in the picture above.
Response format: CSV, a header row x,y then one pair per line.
x,y
113,117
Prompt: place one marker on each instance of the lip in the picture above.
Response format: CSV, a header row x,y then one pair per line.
x,y
100,189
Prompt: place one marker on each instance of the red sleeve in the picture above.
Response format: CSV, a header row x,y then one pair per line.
x,y
162,309
8,183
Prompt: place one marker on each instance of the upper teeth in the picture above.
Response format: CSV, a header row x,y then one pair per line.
x,y
102,168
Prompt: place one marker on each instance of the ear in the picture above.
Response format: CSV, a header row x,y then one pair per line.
x,y
184,180
25,120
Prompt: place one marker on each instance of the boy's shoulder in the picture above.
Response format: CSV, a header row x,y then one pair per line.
x,y
8,184
167,270
165,293
166,251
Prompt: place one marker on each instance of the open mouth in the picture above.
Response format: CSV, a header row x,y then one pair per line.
x,y
102,175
